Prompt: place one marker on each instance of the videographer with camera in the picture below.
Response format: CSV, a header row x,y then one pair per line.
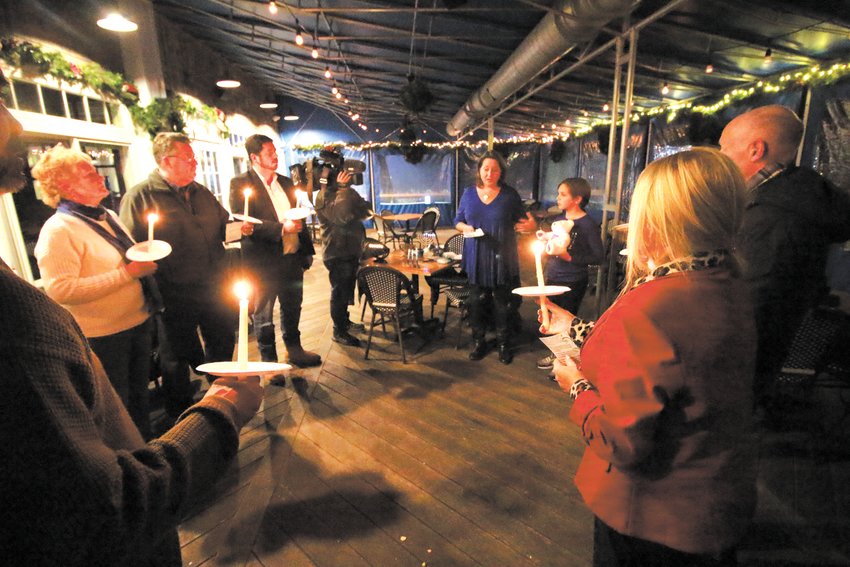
x,y
341,212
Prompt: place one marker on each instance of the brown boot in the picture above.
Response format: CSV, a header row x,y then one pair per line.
x,y
302,358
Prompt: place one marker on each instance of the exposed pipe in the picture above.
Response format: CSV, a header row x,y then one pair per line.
x,y
550,40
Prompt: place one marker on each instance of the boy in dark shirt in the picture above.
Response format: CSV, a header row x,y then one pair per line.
x,y
584,247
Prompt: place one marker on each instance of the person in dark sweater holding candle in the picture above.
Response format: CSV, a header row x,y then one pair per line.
x,y
80,486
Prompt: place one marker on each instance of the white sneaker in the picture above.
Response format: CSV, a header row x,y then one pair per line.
x,y
546,363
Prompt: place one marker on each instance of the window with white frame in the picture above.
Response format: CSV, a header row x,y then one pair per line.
x,y
34,97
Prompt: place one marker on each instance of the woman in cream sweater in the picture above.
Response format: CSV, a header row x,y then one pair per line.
x,y
80,253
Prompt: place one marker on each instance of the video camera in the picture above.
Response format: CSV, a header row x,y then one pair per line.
x,y
318,173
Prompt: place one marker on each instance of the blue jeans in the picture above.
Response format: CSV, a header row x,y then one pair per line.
x,y
126,357
342,273
283,282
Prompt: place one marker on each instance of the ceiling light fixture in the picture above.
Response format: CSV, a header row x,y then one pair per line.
x,y
117,23
273,7
290,116
268,104
228,84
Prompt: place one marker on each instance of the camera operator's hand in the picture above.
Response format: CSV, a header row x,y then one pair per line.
x,y
290,226
343,179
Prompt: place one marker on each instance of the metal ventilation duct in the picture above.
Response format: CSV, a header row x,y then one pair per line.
x,y
546,43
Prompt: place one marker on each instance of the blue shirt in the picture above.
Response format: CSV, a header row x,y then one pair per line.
x,y
585,248
492,259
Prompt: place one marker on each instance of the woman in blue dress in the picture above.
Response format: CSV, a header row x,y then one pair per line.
x,y
491,259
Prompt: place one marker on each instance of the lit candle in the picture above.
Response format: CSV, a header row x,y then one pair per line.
x,y
537,247
242,289
247,193
152,218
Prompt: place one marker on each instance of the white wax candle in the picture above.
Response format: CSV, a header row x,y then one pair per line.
x,y
242,290
538,246
152,218
247,193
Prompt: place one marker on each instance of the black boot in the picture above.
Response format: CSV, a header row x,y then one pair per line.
x,y
505,354
479,349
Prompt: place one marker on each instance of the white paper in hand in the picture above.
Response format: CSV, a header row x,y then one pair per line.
x,y
563,347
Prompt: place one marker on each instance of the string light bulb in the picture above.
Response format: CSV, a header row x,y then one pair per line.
x,y
768,56
355,117
709,68
665,89
338,95
605,107
299,37
315,53
272,7
334,90
328,74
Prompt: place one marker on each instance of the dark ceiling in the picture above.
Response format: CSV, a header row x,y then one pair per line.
x,y
454,46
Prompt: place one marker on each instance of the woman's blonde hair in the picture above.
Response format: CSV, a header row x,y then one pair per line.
x,y
55,170
685,203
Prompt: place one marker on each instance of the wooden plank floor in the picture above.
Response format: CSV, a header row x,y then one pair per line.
x,y
445,462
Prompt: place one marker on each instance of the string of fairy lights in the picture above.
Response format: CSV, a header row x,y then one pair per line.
x,y
814,75
331,75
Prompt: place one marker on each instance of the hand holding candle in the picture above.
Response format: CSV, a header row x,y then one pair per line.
x,y
152,218
537,247
242,289
247,192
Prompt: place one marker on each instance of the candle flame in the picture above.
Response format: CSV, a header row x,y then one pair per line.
x,y
242,289
538,246
247,192
153,217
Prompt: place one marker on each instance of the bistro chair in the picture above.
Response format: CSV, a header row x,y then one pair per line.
x,y
450,276
390,296
427,223
386,230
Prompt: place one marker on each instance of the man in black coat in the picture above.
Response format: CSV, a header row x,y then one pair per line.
x,y
276,251
793,216
191,278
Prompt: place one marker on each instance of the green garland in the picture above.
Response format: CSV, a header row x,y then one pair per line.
x,y
162,114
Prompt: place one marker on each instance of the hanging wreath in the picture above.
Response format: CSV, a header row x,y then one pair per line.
x,y
415,96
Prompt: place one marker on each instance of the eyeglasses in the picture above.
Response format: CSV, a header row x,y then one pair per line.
x,y
183,158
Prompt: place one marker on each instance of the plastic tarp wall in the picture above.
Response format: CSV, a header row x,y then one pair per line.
x,y
556,164
829,130
594,163
404,187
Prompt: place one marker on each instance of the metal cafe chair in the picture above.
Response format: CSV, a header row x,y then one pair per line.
x,y
386,231
448,276
390,296
427,223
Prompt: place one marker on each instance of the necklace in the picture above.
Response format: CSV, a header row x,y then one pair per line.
x,y
486,194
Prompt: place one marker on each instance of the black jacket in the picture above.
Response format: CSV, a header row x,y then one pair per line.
x,y
194,229
263,247
342,212
785,236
